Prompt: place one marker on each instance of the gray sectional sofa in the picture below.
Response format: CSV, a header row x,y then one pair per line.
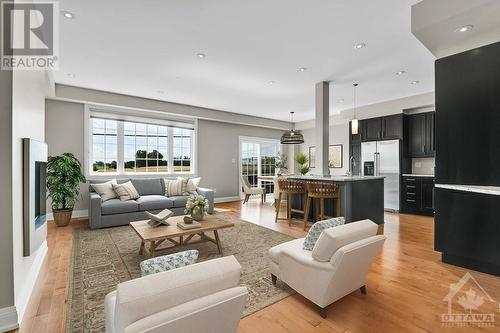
x,y
114,212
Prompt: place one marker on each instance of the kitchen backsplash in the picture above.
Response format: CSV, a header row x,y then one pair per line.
x,y
423,166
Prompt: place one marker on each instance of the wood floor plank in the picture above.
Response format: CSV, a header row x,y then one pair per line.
x,y
406,284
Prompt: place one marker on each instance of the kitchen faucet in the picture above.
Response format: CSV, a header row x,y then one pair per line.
x,y
352,164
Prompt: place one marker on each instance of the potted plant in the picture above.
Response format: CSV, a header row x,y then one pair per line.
x,y
301,159
196,205
64,175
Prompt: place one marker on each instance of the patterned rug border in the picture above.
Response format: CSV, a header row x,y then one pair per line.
x,y
79,228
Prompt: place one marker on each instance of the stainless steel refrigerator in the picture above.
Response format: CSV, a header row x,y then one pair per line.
x,y
382,158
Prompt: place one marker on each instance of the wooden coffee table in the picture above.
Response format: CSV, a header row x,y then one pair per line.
x,y
152,238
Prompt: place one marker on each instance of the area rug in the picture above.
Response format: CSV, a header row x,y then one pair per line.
x,y
105,257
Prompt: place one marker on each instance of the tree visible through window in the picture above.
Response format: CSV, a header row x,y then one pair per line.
x,y
104,145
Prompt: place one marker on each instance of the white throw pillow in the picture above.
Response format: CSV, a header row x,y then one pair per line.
x,y
105,190
193,184
175,187
332,239
126,191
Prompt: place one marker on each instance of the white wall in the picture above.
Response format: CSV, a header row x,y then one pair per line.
x,y
28,118
339,134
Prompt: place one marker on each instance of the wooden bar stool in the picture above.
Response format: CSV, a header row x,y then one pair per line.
x,y
289,187
321,191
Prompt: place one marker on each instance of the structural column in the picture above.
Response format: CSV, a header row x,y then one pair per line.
x,y
322,122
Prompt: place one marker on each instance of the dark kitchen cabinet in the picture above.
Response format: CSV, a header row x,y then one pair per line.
x,y
420,134
372,129
392,127
382,128
417,195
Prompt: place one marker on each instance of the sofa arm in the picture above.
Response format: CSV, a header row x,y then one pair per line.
x,y
95,210
209,195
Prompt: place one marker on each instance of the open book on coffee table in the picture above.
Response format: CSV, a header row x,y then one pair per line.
x,y
160,218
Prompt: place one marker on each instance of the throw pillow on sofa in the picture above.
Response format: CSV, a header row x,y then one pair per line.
x,y
317,229
126,191
175,187
193,184
105,190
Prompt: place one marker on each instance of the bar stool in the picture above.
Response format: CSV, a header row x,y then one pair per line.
x,y
321,191
289,187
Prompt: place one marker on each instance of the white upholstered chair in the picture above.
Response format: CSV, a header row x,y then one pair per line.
x,y
249,190
203,297
337,265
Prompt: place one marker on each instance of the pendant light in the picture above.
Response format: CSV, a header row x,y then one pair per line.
x,y
354,122
292,137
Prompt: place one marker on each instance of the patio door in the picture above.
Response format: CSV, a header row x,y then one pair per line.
x,y
258,158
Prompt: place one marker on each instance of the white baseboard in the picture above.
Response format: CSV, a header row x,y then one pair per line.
x,y
226,199
8,319
25,293
77,214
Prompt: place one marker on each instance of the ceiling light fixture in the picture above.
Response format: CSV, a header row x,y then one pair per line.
x,y
70,75
359,46
68,15
302,69
415,82
400,72
292,137
272,82
201,55
465,28
160,91
354,122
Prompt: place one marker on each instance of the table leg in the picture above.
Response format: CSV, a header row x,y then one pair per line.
x,y
141,249
217,239
152,247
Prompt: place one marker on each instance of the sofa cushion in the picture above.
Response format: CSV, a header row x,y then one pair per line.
x,y
274,252
148,186
193,184
154,202
126,191
168,262
317,229
179,200
333,239
105,190
175,187
116,206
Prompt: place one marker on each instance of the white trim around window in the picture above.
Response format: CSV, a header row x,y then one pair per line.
x,y
186,130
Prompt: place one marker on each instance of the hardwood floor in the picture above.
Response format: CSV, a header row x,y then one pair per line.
x,y
406,285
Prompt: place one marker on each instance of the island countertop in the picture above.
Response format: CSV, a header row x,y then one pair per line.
x,y
335,178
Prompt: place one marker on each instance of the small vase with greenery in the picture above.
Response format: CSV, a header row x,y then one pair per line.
x,y
64,175
197,206
302,160
281,164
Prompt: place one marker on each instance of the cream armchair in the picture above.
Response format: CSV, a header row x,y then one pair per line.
x,y
203,297
337,265
249,190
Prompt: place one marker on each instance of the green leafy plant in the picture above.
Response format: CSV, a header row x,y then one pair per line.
x,y
64,175
302,160
281,163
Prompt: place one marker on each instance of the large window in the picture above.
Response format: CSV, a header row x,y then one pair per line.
x,y
124,146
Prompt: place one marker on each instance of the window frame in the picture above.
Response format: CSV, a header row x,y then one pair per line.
x,y
117,114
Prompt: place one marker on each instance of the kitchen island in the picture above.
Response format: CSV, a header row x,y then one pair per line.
x,y
360,198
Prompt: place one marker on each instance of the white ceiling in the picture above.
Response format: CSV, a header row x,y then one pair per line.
x,y
142,47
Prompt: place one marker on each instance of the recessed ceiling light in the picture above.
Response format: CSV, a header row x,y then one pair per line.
x,y
272,82
359,46
70,75
201,55
302,69
160,91
68,15
400,72
415,82
464,28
